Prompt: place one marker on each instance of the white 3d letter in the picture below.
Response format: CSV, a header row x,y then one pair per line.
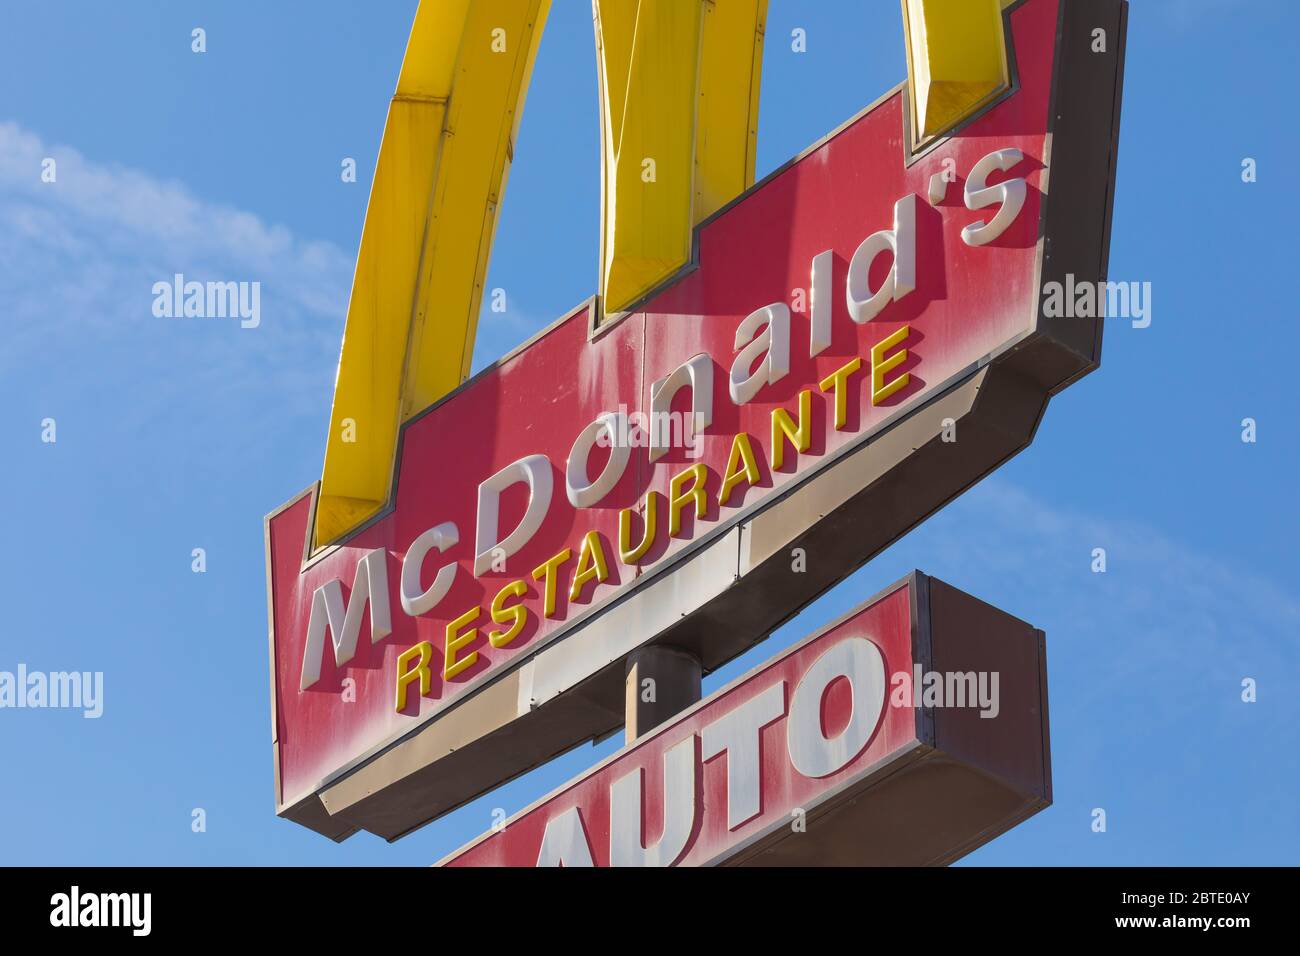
x,y
370,586
860,661
414,601
626,812
865,305
773,344
819,309
1011,195
697,372
738,733
583,493
535,470
565,841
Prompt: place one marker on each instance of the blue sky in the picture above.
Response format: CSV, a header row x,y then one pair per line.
x,y
177,435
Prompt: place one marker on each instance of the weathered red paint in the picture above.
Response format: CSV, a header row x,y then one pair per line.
x,y
886,623
935,775
968,304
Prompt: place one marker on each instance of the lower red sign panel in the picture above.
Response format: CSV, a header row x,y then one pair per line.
x,y
909,732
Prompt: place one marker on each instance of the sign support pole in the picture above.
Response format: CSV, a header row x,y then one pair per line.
x,y
661,681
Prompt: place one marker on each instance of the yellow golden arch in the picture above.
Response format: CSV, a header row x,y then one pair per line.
x,y
679,83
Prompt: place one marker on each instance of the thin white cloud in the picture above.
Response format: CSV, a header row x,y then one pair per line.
x,y
78,260
130,206
1166,634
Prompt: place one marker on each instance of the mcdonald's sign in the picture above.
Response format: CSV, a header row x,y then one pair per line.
x,y
772,382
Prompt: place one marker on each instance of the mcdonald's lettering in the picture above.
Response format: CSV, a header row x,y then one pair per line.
x,y
812,363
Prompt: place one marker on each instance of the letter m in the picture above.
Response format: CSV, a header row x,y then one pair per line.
x,y
370,586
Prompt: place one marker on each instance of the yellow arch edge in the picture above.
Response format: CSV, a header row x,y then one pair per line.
x,y
956,61
679,84
447,144
679,88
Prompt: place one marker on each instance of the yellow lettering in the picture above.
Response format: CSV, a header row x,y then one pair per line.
x,y
677,499
838,380
626,552
881,366
741,466
548,572
783,428
423,651
592,565
516,615
456,641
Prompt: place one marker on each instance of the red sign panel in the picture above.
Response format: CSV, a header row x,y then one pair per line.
x,y
845,293
827,738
